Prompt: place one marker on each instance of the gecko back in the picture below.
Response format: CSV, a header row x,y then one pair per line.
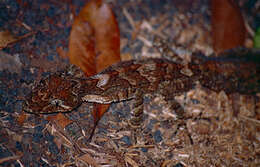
x,y
64,91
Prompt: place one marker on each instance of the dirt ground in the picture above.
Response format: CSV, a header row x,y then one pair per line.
x,y
221,130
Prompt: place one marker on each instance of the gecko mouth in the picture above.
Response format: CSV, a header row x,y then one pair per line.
x,y
97,99
53,106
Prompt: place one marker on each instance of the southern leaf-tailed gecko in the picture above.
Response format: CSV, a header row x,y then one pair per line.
x,y
65,91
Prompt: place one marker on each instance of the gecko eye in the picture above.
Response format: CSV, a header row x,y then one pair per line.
x,y
59,103
56,102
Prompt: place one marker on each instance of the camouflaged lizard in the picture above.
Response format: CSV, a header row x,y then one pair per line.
x,y
65,91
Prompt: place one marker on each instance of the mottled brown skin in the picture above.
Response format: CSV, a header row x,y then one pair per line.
x,y
42,98
132,79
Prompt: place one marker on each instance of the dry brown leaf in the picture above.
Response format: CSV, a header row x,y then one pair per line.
x,y
6,38
81,46
95,43
94,39
228,29
107,36
60,120
98,111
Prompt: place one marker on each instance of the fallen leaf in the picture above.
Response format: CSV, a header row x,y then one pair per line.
x,y
6,38
95,44
81,46
107,35
97,113
94,40
60,120
228,29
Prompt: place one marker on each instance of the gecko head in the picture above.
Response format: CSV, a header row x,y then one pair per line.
x,y
53,94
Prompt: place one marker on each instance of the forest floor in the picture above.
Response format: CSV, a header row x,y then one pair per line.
x,y
212,136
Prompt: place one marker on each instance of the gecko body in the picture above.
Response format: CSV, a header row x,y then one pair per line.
x,y
65,91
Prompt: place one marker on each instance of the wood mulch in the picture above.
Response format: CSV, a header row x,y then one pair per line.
x,y
219,130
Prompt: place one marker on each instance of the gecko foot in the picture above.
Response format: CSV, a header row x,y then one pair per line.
x,y
177,108
137,113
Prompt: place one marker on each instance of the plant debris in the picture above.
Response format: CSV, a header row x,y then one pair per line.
x,y
220,130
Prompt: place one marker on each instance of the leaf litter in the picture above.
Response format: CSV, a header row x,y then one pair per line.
x,y
220,130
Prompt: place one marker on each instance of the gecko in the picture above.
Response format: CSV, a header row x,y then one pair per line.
x,y
130,80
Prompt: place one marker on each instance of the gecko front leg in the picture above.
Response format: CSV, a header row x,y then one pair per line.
x,y
137,112
175,106
137,95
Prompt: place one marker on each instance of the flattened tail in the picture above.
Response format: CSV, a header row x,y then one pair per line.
x,y
231,55
248,71
236,70
243,54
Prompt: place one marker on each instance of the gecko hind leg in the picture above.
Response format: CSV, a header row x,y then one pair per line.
x,y
137,112
175,106
179,110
